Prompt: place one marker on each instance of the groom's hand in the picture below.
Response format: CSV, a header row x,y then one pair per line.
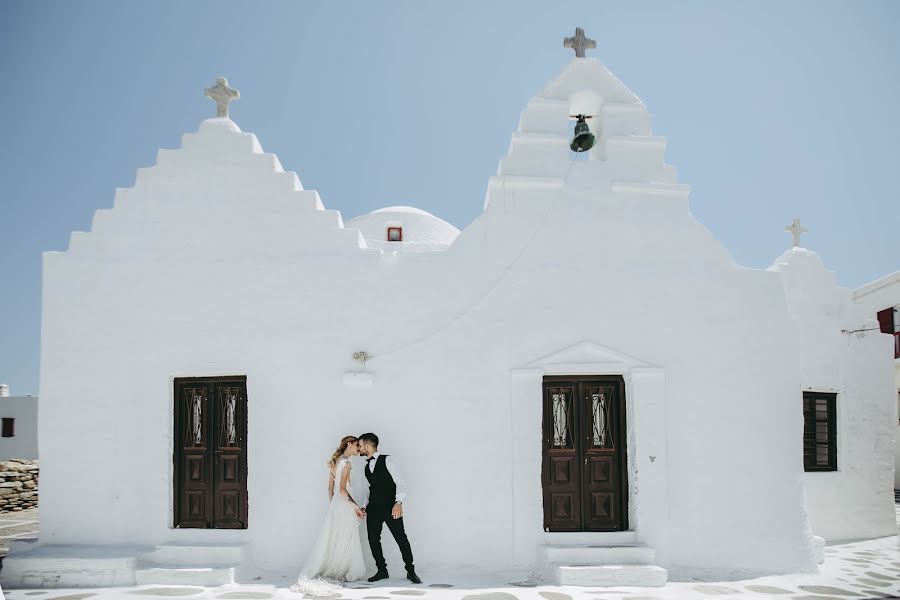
x,y
397,511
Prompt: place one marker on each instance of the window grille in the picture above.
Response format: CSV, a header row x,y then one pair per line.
x,y
819,431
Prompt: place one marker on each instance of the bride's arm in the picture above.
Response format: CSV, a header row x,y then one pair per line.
x,y
330,486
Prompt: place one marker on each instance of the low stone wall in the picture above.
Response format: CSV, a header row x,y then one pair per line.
x,y
18,484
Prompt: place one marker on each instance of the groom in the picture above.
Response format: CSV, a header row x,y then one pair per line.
x,y
387,490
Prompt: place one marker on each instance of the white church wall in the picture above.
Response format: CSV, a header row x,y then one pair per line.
x,y
217,262
876,296
856,501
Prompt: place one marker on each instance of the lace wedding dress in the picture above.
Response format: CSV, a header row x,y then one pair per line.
x,y
337,555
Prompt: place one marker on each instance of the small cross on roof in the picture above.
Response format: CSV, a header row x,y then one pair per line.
x,y
796,229
222,94
579,42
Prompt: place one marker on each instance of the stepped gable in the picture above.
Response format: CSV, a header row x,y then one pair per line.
x,y
626,153
218,195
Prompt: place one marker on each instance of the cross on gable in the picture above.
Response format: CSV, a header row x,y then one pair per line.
x,y
796,230
579,42
222,94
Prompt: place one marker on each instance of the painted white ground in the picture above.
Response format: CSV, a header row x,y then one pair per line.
x,y
867,569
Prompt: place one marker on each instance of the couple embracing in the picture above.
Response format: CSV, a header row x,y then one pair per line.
x,y
337,555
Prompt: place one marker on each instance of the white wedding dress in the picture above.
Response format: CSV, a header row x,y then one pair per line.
x,y
337,555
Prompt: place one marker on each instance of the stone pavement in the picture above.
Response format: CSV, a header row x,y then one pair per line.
x,y
854,571
15,525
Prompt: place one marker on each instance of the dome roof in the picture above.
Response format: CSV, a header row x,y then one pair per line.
x,y
422,231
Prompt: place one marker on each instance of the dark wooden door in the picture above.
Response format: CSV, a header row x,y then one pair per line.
x,y
583,474
211,452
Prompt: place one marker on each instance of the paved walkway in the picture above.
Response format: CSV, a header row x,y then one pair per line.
x,y
14,525
856,571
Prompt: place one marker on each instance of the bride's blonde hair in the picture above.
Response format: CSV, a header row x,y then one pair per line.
x,y
345,441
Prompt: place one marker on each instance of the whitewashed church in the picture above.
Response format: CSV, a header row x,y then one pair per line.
x,y
629,404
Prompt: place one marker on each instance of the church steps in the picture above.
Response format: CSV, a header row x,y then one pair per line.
x,y
601,565
186,564
174,554
592,555
611,575
69,566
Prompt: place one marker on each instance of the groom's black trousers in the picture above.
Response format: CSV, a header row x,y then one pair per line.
x,y
375,516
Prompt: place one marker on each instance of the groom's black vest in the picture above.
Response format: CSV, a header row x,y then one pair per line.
x,y
382,489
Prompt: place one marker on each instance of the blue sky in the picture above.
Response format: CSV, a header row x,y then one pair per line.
x,y
772,110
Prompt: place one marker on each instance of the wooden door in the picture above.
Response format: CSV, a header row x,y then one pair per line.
x,y
584,466
211,452
561,472
603,476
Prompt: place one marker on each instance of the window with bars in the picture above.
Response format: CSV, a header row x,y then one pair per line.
x,y
8,427
819,431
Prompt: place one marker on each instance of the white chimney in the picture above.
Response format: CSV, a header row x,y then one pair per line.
x,y
4,390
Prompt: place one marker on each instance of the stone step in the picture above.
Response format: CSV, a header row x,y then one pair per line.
x,y
69,567
194,554
611,575
598,555
185,575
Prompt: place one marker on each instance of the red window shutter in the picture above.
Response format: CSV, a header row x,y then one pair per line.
x,y
886,320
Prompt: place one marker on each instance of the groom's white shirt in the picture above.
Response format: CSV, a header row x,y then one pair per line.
x,y
396,475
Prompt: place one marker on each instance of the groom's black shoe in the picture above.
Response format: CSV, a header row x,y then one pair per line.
x,y
411,575
378,576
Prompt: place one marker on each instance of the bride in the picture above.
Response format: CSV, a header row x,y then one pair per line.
x,y
337,555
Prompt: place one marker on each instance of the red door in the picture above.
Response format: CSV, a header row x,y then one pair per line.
x,y
583,474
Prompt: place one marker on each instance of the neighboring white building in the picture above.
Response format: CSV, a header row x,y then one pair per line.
x,y
18,426
850,415
581,384
882,300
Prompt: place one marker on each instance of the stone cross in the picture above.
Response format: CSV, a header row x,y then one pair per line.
x,y
222,94
796,229
579,43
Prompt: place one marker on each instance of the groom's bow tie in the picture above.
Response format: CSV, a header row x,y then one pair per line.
x,y
370,459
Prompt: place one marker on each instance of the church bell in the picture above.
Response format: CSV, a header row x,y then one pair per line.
x,y
583,139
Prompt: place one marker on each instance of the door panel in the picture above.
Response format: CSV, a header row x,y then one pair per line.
x,y
192,472
604,460
230,481
561,472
